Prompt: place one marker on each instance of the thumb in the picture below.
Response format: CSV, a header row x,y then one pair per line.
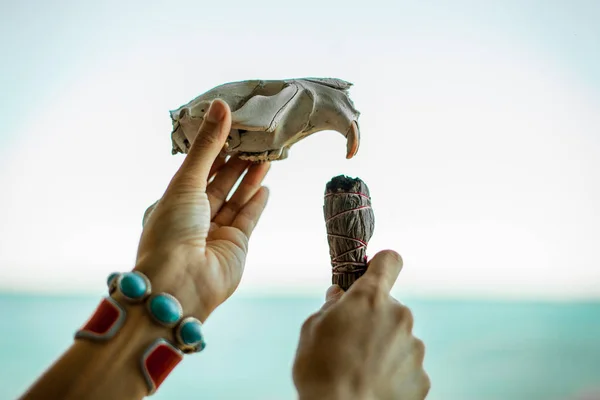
x,y
382,272
209,142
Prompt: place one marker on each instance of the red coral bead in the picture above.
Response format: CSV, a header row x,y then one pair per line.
x,y
105,322
158,361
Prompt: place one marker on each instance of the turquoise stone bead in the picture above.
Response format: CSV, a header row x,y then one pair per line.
x,y
191,333
112,277
133,285
165,309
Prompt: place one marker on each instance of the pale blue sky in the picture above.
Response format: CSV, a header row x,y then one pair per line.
x,y
480,125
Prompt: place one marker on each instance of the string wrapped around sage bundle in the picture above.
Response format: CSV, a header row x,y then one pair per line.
x,y
350,223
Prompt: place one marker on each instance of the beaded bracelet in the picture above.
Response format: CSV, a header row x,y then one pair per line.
x,y
161,357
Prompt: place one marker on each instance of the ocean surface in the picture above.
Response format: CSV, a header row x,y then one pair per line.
x,y
475,350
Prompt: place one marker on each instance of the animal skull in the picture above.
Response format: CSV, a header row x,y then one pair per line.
x,y
269,116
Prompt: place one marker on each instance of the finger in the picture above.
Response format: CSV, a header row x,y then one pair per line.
x,y
248,217
426,386
225,179
308,325
382,272
245,191
195,169
219,162
404,318
334,293
419,351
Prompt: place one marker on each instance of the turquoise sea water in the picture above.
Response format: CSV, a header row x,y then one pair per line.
x,y
475,350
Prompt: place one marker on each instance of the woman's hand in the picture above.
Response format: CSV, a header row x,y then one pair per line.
x,y
360,345
193,247
195,241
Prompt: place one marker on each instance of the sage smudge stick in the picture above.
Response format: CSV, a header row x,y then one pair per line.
x,y
350,222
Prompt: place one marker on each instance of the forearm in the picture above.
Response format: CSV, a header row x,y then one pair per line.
x,y
111,369
102,370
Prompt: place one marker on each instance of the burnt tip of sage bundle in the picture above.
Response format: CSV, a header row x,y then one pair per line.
x,y
350,222
345,184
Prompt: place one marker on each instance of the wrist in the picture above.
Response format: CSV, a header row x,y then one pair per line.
x,y
169,275
115,364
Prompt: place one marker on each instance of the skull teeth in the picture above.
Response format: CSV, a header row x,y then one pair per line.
x,y
271,155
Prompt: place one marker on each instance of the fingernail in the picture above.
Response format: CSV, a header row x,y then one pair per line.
x,y
216,112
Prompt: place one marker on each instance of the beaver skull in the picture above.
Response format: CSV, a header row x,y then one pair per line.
x,y
269,116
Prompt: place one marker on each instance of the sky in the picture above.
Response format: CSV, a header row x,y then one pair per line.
x,y
480,128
